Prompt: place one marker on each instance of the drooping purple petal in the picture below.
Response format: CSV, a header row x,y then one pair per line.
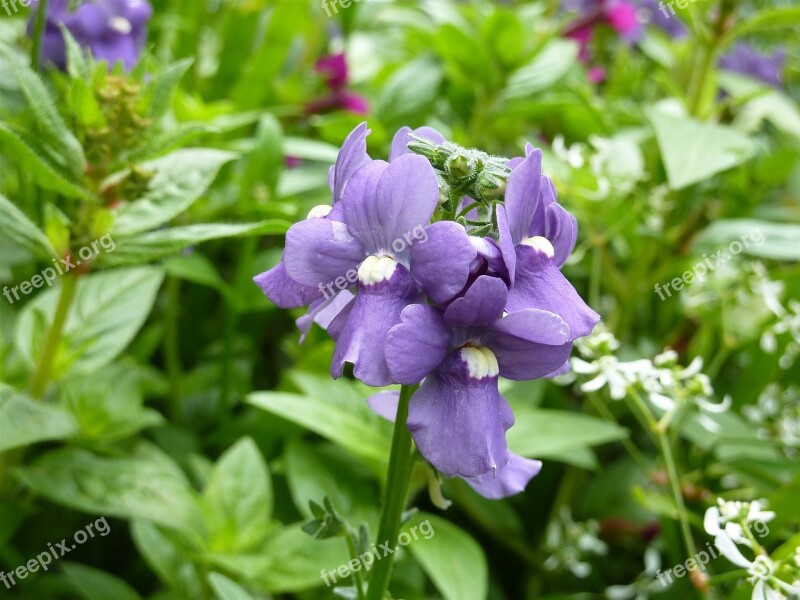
x,y
417,345
352,157
561,229
323,312
441,264
361,339
482,304
320,251
385,403
508,481
540,284
284,291
401,139
459,423
529,344
522,204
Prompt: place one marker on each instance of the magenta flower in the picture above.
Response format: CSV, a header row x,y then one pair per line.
x,y
334,69
113,30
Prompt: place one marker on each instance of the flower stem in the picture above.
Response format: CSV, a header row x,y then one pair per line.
x,y
40,380
358,581
400,464
38,34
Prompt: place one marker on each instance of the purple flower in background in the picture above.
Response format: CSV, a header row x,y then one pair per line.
x,y
619,15
113,30
663,16
506,481
334,69
536,237
457,417
744,59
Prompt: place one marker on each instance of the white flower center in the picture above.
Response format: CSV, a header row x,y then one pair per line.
x,y
120,24
376,269
540,244
481,362
319,211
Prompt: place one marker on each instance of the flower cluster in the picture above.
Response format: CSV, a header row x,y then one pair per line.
x,y
777,414
480,296
114,30
572,545
731,523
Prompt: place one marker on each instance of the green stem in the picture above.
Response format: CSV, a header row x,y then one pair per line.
x,y
38,34
633,451
172,355
400,465
40,380
358,580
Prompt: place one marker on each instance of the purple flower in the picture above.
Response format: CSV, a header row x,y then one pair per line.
x,y
744,59
334,69
663,16
619,15
536,237
506,481
457,417
113,30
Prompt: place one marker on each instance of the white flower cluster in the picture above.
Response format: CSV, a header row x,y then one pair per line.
x,y
662,380
732,523
572,544
777,414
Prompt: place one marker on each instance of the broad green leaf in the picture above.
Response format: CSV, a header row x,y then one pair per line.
x,y
227,589
24,422
51,125
165,242
108,310
557,434
693,151
778,241
411,90
94,584
166,558
310,149
548,66
452,559
239,496
164,84
767,19
146,486
265,161
19,229
345,420
38,165
180,179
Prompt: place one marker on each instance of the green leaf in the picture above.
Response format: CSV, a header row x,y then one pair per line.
x,y
24,422
239,496
94,584
548,66
38,165
557,434
411,90
108,310
146,486
334,410
310,149
166,558
693,151
20,230
164,242
50,123
164,84
778,241
452,559
227,589
768,19
181,178
265,161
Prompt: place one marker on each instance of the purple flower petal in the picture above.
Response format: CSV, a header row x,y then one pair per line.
x,y
482,304
506,244
529,344
508,481
459,423
441,264
417,345
320,251
561,229
352,157
540,284
284,291
362,338
401,139
385,403
523,207
323,312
